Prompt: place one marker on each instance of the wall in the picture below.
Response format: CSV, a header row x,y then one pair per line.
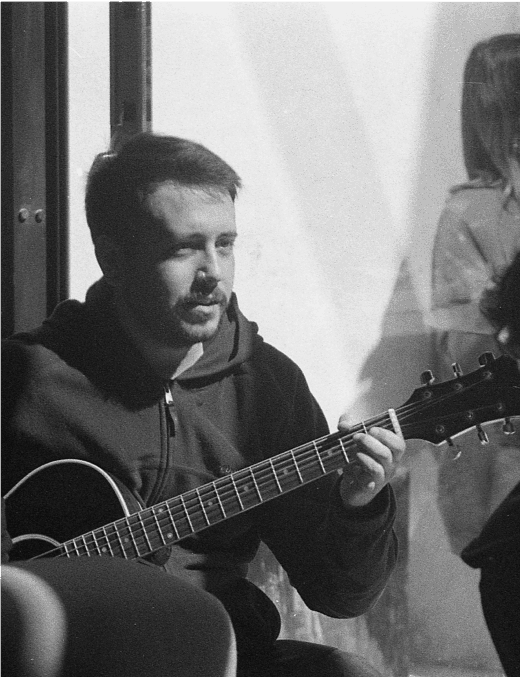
x,y
343,121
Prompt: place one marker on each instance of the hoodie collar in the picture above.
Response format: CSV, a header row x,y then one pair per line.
x,y
89,336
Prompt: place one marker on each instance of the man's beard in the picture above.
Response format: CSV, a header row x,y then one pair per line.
x,y
186,324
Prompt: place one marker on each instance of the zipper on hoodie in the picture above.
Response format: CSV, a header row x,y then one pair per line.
x,y
170,408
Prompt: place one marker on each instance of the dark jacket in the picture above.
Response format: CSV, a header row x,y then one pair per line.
x,y
78,388
500,536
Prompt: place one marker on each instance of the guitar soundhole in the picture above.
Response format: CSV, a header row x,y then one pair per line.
x,y
470,416
427,394
457,386
440,429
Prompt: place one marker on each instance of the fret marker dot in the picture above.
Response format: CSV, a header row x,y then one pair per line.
x,y
169,535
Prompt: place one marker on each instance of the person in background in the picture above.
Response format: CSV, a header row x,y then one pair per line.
x,y
496,550
160,380
478,236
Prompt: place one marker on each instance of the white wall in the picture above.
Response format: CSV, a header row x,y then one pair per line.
x,y
89,124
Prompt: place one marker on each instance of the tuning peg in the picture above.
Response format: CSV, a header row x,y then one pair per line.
x,y
508,427
427,377
482,435
456,369
455,450
486,358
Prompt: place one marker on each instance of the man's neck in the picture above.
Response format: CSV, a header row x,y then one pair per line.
x,y
167,361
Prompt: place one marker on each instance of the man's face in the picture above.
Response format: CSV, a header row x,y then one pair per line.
x,y
179,275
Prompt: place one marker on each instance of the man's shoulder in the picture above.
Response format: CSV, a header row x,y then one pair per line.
x,y
269,357
42,347
25,359
276,371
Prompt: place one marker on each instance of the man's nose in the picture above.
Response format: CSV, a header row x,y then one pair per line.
x,y
210,266
209,270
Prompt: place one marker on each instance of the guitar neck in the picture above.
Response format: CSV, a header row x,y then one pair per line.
x,y
434,412
182,516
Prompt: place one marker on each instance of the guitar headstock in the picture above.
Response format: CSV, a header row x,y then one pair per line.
x,y
438,412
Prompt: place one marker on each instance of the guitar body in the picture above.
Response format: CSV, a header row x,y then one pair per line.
x,y
61,500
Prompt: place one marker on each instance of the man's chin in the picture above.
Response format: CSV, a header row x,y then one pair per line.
x,y
201,330
199,333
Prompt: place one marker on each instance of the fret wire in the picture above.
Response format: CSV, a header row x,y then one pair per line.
x,y
82,538
118,536
126,539
108,542
319,458
344,451
171,519
139,517
131,537
275,476
92,533
296,466
236,491
202,506
75,549
256,485
158,525
186,512
218,499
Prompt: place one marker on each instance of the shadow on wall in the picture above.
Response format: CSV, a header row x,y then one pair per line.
x,y
320,136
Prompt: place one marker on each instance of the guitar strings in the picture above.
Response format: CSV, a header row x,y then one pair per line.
x,y
226,490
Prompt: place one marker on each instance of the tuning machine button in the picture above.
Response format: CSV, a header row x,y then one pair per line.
x,y
427,378
455,450
486,358
508,427
482,435
456,369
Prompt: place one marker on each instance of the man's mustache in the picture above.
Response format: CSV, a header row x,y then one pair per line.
x,y
216,297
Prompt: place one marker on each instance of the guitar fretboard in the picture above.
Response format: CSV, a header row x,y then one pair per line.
x,y
166,523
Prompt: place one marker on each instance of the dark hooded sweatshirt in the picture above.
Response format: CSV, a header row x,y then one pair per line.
x,y
78,388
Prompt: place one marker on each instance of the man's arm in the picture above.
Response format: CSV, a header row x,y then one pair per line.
x,y
334,538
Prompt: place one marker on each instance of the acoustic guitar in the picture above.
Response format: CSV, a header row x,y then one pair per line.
x,y
43,508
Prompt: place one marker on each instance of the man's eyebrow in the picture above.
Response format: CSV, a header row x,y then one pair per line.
x,y
200,237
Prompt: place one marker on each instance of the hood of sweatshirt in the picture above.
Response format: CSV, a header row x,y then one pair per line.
x,y
89,337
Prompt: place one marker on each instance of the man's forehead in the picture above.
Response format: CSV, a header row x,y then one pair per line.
x,y
176,196
175,210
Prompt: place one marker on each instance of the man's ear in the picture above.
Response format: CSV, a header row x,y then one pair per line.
x,y
110,258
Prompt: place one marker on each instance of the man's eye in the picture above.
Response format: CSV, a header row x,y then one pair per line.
x,y
226,245
181,250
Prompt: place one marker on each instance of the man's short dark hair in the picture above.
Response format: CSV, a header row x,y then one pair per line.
x,y
118,182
